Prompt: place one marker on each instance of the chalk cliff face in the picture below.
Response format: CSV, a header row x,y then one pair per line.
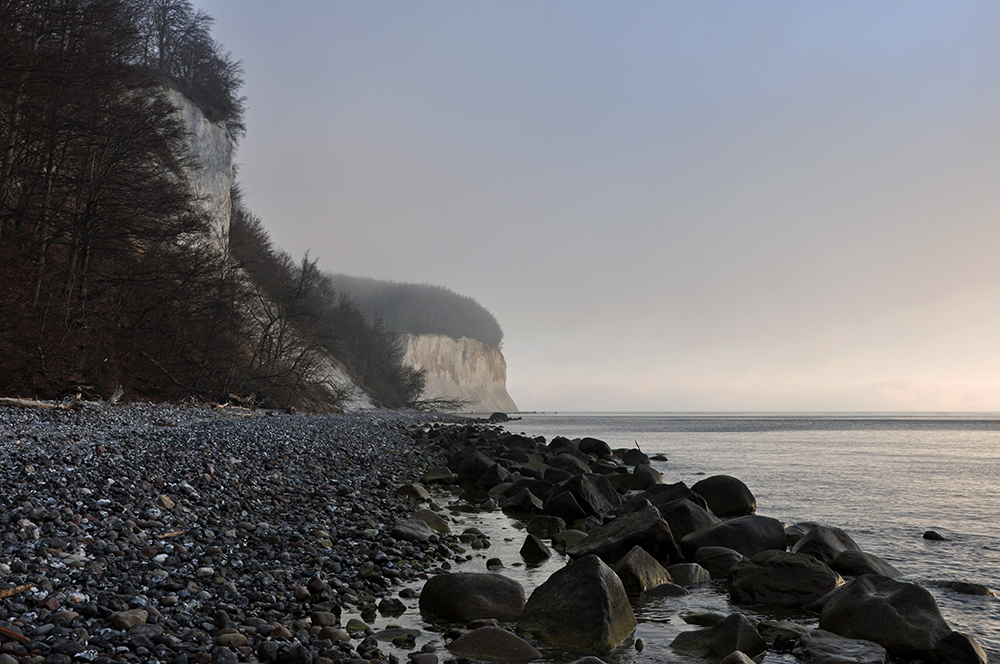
x,y
462,369
211,175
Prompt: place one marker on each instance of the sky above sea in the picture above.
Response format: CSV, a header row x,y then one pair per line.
x,y
668,206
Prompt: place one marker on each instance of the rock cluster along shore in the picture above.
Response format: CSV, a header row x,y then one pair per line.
x,y
191,535
630,534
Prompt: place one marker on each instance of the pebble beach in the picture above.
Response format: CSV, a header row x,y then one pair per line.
x,y
190,534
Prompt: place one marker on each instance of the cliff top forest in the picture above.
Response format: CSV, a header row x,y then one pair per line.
x,y
421,308
109,272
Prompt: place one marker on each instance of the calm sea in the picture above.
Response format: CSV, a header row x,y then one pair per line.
x,y
883,478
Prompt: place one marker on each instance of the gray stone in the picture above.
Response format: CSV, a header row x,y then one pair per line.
x,y
747,534
718,560
494,644
824,543
545,526
565,506
901,617
737,657
580,608
857,563
534,550
468,596
639,571
644,528
732,633
411,530
594,494
781,579
689,574
822,647
666,590
956,648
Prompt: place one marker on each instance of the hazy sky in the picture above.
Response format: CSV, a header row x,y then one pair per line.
x,y
667,205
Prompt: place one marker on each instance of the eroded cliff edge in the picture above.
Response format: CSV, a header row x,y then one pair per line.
x,y
462,369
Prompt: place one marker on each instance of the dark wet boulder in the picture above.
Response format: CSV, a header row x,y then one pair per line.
x,y
545,526
411,530
935,536
686,517
734,632
639,571
556,475
967,588
857,563
635,457
439,475
666,590
822,647
647,476
473,466
468,596
718,560
581,608
664,494
570,463
797,531
492,476
494,644
689,574
726,496
564,539
824,543
595,446
565,506
747,534
781,579
534,550
901,617
593,492
956,648
616,538
781,635
523,504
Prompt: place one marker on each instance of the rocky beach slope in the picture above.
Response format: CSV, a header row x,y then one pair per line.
x,y
182,534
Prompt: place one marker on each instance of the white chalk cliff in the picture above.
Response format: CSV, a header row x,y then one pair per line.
x,y
211,175
463,369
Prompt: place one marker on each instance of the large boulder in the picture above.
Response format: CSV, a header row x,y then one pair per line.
x,y
467,596
595,446
685,517
824,543
718,560
662,494
570,463
822,647
956,648
781,579
639,572
494,644
734,632
581,608
473,466
689,574
901,617
565,506
857,563
747,534
726,496
593,492
545,526
617,537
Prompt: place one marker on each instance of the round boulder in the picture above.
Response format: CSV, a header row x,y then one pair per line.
x,y
639,571
781,579
824,543
726,496
822,647
956,648
718,560
467,596
747,534
644,528
901,617
494,644
857,563
734,632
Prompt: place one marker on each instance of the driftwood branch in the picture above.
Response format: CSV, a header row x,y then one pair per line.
x,y
16,590
9,633
40,405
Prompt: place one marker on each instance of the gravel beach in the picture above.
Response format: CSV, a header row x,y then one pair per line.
x,y
189,534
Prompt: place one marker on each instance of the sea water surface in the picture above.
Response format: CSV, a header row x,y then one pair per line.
x,y
883,478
